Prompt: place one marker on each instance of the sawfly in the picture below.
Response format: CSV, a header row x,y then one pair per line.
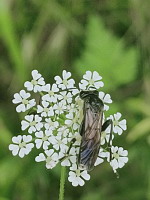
x,y
91,128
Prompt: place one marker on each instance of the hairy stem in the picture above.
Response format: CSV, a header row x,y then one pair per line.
x,y
62,183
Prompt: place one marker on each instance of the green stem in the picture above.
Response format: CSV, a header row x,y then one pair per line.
x,y
62,183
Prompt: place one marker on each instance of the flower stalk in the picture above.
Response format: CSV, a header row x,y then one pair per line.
x,y
62,183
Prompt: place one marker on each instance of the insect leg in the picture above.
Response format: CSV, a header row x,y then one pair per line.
x,y
71,143
104,127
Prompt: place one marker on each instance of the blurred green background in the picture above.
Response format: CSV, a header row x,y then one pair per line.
x,y
109,36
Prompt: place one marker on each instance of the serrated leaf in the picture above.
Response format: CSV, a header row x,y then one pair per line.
x,y
107,54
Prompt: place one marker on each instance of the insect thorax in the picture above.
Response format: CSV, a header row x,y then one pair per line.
x,y
92,97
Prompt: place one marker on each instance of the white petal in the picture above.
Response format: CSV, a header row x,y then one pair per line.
x,y
124,153
120,163
80,181
73,167
88,75
85,175
122,124
24,125
14,148
117,116
32,102
82,86
28,85
73,159
37,88
39,126
17,139
101,95
106,107
39,134
48,132
65,163
29,147
24,95
27,138
41,81
31,129
51,164
45,145
40,157
114,164
58,79
39,109
96,76
75,183
98,161
55,88
21,108
17,98
66,74
119,130
36,75
49,152
71,83
22,152
107,98
55,156
51,112
98,84
38,143
46,88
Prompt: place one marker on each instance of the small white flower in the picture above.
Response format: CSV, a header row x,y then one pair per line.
x,y
51,158
72,120
22,97
21,146
63,131
106,99
37,82
77,177
42,139
33,122
66,98
51,90
68,158
118,126
91,79
45,110
101,156
64,82
71,107
58,142
119,157
59,108
49,124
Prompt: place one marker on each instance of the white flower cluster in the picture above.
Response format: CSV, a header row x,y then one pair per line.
x,y
52,123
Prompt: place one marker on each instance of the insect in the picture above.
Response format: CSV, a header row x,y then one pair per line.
x,y
91,129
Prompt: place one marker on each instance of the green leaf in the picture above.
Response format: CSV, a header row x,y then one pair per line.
x,y
107,54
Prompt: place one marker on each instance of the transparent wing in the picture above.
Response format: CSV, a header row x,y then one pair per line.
x,y
90,131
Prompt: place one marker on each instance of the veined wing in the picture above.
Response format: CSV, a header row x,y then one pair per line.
x,y
90,130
